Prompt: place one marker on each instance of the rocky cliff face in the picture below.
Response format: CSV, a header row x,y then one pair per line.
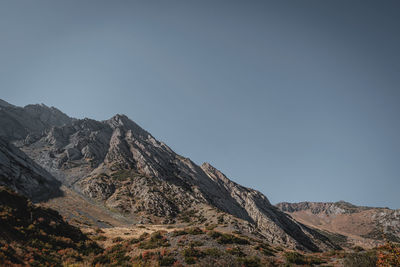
x,y
19,172
25,123
120,165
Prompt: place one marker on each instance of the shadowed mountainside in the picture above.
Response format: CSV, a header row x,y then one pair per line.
x,y
34,236
19,172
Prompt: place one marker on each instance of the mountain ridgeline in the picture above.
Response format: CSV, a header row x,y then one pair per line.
x,y
121,169
118,164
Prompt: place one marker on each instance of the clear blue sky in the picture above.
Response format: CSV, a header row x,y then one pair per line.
x,y
298,99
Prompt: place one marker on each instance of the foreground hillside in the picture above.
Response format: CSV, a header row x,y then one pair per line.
x,y
35,236
31,235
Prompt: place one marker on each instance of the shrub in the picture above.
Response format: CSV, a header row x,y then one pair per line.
x,y
179,232
190,260
195,231
295,257
121,175
250,261
358,248
156,240
100,238
300,259
365,259
389,255
117,239
211,227
214,252
167,261
192,252
113,256
220,219
195,243
235,251
228,238
133,241
265,249
99,231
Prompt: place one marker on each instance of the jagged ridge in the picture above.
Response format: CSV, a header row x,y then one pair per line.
x,y
88,155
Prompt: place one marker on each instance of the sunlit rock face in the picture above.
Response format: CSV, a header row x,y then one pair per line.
x,y
120,165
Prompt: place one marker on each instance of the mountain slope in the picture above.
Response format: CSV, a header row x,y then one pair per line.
x,y
118,164
19,172
25,123
33,236
361,225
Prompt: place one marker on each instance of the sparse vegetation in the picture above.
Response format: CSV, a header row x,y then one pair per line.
x,y
213,252
223,238
300,259
179,233
365,259
191,254
167,261
156,240
250,261
195,231
38,236
121,175
265,249
211,227
235,251
388,255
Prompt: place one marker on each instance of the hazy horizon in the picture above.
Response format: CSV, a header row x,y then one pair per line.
x,y
297,99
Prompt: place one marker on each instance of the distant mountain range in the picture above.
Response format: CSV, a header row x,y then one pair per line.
x,y
365,226
114,173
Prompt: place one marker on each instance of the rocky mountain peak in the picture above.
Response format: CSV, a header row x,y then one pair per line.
x,y
120,164
5,104
123,122
19,122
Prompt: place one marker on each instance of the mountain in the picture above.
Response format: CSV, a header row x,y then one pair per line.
x,y
24,123
356,224
117,164
20,173
138,203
